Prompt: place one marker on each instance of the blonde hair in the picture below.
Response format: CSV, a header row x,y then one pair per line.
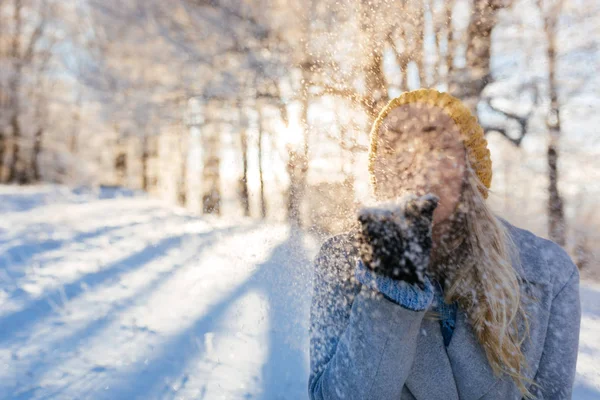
x,y
482,280
487,286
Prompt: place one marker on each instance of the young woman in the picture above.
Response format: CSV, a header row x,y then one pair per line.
x,y
434,297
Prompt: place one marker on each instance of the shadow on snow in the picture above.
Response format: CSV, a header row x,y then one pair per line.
x,y
285,280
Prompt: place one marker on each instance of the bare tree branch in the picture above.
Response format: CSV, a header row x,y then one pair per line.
x,y
37,33
521,120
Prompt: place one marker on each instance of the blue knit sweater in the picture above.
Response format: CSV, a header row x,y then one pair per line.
x,y
412,297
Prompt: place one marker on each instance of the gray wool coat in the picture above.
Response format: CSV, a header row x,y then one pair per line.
x,y
363,346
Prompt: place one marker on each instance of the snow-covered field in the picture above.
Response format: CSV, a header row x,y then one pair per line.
x,y
106,295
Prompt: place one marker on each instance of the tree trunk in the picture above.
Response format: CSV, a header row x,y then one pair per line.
x,y
438,23
244,192
184,151
211,197
121,166
37,148
145,157
15,88
469,84
556,217
296,169
450,44
376,87
2,152
376,91
403,62
418,50
73,144
13,171
263,203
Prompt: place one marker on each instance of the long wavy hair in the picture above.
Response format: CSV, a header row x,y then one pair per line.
x,y
478,274
474,258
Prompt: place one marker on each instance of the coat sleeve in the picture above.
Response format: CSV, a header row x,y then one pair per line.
x,y
362,345
556,371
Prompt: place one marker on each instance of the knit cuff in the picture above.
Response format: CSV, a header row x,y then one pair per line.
x,y
408,296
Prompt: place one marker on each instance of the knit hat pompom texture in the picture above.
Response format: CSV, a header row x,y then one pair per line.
x,y
471,132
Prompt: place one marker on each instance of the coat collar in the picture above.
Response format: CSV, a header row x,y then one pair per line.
x,y
431,359
468,360
464,358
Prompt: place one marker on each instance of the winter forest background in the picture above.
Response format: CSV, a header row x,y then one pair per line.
x,y
246,125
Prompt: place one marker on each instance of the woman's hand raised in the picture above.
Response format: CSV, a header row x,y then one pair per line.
x,y
395,240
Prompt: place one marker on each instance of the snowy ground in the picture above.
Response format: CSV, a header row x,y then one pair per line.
x,y
108,296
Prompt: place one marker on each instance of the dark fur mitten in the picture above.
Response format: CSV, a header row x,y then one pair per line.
x,y
395,240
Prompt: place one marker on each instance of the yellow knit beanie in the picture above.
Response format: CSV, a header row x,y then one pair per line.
x,y
471,132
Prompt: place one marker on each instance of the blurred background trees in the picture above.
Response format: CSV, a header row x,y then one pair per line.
x,y
262,108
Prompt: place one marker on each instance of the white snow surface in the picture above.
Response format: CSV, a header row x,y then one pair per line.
x,y
111,295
